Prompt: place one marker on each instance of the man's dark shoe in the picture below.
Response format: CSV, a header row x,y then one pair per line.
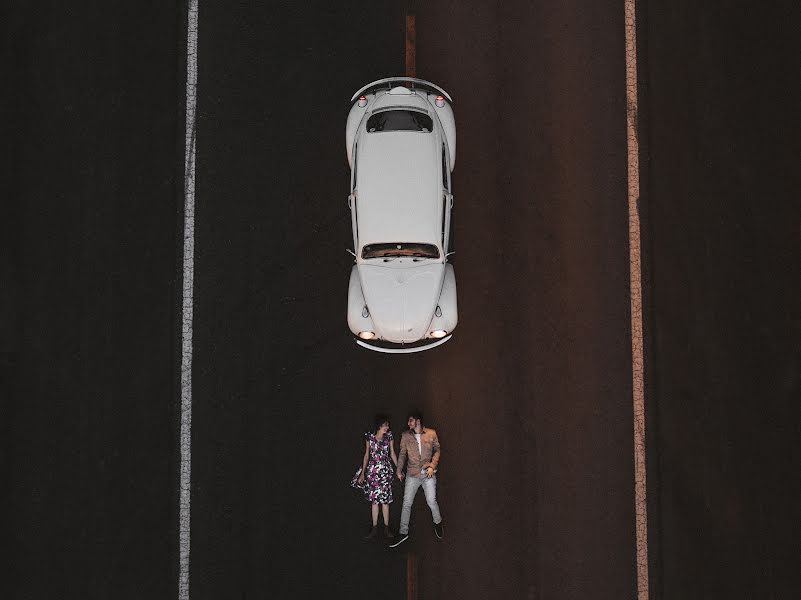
x,y
438,530
402,537
388,533
372,534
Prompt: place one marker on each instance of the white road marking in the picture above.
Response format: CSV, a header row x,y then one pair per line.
x,y
635,274
186,305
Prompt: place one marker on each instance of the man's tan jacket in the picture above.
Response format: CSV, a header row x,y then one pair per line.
x,y
418,461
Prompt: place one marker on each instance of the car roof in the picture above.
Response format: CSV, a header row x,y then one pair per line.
x,y
399,187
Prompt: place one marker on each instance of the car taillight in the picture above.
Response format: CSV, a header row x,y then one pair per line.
x,y
439,101
362,101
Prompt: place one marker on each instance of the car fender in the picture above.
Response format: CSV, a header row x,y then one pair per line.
x,y
447,303
448,122
355,117
356,321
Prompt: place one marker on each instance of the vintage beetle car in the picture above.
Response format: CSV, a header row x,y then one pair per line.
x,y
401,144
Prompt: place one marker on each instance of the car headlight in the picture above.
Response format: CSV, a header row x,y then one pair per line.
x,y
439,333
366,335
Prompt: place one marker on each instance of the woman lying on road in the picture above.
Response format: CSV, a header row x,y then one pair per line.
x,y
375,476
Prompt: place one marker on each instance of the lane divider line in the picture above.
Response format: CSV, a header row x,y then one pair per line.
x,y
410,59
635,283
410,49
187,308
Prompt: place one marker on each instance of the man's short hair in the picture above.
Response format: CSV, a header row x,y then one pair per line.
x,y
415,414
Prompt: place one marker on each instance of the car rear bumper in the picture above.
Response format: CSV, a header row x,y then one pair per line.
x,y
391,82
390,348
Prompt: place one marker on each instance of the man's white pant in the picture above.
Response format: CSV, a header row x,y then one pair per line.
x,y
410,491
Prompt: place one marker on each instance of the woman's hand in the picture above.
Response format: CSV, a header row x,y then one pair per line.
x,y
361,478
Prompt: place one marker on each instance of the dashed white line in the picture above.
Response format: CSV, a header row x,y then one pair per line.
x,y
187,306
635,274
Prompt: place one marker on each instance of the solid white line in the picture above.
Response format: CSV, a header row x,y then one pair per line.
x,y
635,281
186,304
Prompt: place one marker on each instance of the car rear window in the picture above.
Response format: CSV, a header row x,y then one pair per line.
x,y
396,249
399,120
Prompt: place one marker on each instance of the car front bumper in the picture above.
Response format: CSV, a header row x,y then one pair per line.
x,y
390,348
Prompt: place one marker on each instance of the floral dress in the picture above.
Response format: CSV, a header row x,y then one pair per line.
x,y
379,472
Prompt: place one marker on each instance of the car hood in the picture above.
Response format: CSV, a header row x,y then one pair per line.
x,y
401,298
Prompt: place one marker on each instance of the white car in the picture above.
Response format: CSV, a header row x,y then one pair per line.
x,y
401,144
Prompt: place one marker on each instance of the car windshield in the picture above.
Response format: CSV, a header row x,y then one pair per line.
x,y
400,249
399,120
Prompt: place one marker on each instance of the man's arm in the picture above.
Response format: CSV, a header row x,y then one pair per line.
x,y
402,457
435,451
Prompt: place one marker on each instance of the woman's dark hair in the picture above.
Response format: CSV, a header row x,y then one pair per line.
x,y
415,414
378,421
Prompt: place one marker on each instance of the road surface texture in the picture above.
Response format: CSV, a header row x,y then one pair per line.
x,y
91,211
531,397
721,89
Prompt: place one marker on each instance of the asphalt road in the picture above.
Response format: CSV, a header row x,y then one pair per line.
x,y
532,396
91,214
720,193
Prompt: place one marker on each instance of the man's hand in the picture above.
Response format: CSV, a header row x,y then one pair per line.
x,y
429,472
400,475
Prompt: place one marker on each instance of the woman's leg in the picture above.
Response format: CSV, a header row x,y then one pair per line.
x,y
374,529
387,531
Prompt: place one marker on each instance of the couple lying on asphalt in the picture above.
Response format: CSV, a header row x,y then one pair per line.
x,y
419,453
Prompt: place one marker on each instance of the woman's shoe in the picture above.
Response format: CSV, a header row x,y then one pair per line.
x,y
372,534
388,533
